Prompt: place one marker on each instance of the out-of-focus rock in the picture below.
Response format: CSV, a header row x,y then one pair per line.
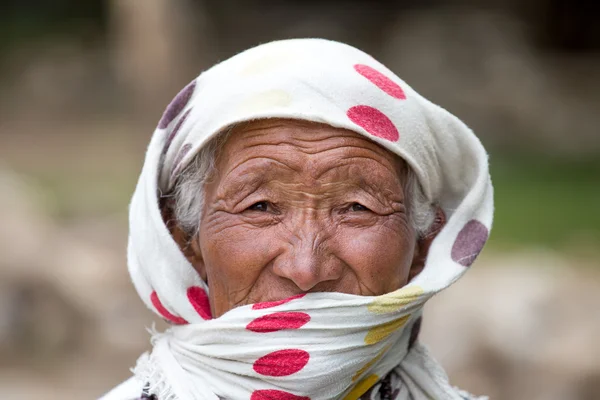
x,y
35,317
59,291
37,322
523,326
24,227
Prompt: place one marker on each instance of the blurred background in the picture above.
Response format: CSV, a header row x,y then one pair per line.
x,y
83,84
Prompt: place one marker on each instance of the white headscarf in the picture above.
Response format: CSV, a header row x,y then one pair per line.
x,y
321,345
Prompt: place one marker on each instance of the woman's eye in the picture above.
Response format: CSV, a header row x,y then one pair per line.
x,y
358,207
260,206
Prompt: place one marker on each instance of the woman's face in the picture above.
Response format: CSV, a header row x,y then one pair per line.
x,y
298,207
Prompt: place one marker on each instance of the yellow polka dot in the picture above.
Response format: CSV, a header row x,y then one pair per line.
x,y
377,334
266,63
266,100
362,387
394,301
369,364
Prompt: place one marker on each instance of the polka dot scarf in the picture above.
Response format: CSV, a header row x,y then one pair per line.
x,y
320,345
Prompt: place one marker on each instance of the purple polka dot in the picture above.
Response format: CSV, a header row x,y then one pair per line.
x,y
177,105
175,130
177,163
469,243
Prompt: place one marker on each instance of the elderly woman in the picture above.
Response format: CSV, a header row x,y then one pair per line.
x,y
298,205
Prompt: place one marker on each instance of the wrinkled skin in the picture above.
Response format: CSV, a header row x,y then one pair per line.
x,y
300,207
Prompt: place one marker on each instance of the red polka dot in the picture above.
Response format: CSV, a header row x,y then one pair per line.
x,y
177,105
383,82
373,121
275,395
269,304
282,362
199,300
164,312
278,321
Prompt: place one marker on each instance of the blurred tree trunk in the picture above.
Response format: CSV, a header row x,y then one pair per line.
x,y
155,48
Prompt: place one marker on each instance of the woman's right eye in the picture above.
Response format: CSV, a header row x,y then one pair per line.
x,y
259,206
358,207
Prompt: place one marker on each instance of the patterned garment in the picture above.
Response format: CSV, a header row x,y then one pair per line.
x,y
386,389
283,350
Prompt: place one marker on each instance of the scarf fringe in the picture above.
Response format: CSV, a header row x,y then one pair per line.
x,y
148,371
468,396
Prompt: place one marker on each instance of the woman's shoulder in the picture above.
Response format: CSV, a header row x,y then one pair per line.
x,y
131,389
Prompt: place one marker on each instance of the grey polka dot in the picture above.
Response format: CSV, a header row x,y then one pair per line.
x,y
469,242
177,163
177,104
175,130
414,332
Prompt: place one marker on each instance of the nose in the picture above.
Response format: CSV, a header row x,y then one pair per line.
x,y
308,260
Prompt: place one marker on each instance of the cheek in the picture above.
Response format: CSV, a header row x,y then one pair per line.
x,y
234,257
380,257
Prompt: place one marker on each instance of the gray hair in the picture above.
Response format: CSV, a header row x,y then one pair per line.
x,y
188,191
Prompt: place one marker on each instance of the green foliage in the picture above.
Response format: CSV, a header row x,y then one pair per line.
x,y
25,21
546,202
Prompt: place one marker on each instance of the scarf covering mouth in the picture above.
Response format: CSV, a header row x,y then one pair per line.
x,y
321,345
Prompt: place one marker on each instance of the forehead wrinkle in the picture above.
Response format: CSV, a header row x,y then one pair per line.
x,y
320,189
256,175
350,162
264,166
298,132
311,191
314,131
333,141
289,145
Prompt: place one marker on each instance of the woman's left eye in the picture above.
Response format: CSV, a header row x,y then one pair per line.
x,y
259,206
358,207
